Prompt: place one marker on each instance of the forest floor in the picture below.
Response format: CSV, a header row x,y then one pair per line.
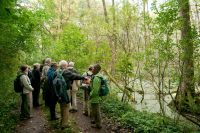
x,y
37,124
83,122
78,121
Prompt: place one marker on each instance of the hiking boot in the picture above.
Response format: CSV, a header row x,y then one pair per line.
x,y
64,127
96,126
92,122
23,118
86,114
54,118
73,110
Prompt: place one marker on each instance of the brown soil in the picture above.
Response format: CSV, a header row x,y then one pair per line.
x,y
83,122
78,121
37,124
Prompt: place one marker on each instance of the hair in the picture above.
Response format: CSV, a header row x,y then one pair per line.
x,y
23,67
97,68
48,60
54,64
71,64
43,61
36,65
90,68
63,63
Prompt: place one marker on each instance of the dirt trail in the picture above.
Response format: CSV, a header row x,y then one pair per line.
x,y
37,124
83,122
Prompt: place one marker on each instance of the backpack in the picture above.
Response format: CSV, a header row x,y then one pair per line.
x,y
104,89
59,85
18,87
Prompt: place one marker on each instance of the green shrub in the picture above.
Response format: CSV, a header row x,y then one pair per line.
x,y
9,117
139,122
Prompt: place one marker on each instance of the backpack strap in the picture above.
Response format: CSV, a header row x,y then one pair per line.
x,y
59,73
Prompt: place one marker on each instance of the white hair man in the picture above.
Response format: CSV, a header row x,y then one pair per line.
x,y
63,64
63,94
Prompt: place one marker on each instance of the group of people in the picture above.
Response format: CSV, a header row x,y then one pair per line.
x,y
60,83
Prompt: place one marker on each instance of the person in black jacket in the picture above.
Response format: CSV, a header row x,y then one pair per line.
x,y
35,82
70,75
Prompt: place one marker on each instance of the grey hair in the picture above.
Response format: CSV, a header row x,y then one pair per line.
x,y
63,63
48,60
71,64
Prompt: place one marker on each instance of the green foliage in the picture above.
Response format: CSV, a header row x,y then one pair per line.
x,y
20,28
70,43
125,64
140,122
9,114
167,16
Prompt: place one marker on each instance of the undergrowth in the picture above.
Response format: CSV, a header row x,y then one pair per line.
x,y
140,122
9,112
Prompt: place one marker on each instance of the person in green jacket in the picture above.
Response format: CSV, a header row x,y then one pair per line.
x,y
95,99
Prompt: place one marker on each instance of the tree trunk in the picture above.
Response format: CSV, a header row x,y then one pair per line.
x,y
110,38
186,92
88,4
105,11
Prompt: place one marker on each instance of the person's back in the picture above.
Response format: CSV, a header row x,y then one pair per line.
x,y
45,71
45,84
35,82
51,98
60,87
36,78
51,76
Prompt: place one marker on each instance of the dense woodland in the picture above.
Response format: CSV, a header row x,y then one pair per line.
x,y
136,41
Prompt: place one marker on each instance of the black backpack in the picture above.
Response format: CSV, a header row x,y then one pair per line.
x,y
18,87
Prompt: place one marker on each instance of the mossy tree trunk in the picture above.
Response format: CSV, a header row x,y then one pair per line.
x,y
186,92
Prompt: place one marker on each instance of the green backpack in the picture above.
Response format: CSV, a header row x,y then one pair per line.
x,y
104,89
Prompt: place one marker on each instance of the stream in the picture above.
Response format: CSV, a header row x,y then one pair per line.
x,y
150,102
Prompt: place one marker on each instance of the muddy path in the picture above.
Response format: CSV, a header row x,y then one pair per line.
x,y
37,124
83,122
79,123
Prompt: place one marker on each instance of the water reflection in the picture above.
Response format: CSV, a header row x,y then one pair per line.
x,y
150,102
